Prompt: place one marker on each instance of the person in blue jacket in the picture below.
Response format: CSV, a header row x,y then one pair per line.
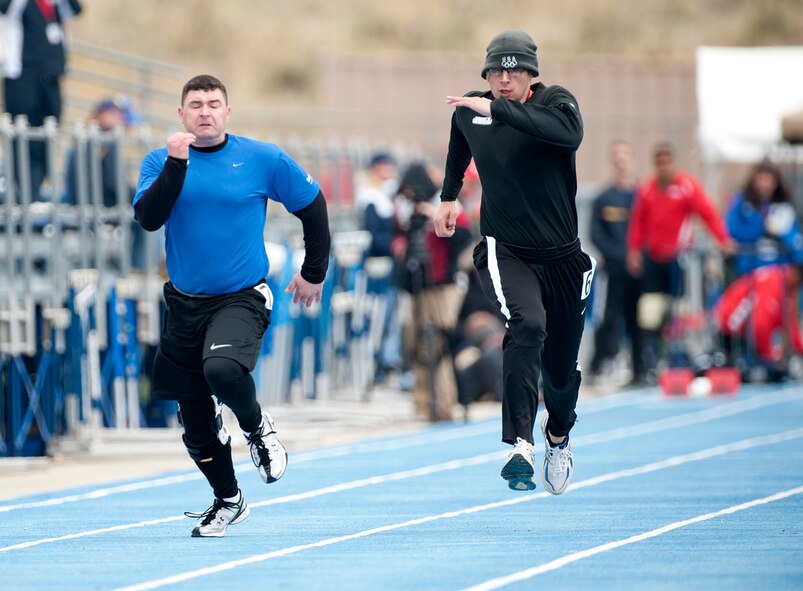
x,y
763,221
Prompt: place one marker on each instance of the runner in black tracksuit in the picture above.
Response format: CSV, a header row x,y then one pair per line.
x,y
523,137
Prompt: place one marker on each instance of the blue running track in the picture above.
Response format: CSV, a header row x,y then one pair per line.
x,y
668,493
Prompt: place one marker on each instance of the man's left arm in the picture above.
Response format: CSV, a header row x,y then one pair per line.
x,y
307,284
556,122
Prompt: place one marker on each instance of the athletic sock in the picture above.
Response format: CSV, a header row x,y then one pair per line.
x,y
235,499
561,445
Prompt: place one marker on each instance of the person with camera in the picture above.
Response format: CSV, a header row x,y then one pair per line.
x,y
523,136
428,265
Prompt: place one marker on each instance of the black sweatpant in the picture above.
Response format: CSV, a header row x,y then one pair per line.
x,y
621,304
542,294
36,95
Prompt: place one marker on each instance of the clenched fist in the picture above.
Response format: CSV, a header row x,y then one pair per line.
x,y
178,144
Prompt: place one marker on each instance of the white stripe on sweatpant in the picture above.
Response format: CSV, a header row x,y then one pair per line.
x,y
496,277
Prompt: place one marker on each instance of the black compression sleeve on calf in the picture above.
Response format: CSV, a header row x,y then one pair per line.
x,y
153,209
317,239
214,461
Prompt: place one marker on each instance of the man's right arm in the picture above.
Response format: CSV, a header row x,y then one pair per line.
x,y
155,201
457,160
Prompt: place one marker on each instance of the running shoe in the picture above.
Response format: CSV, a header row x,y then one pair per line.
x,y
558,464
519,466
213,522
267,452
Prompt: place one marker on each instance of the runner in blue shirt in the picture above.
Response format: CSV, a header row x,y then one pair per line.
x,y
210,190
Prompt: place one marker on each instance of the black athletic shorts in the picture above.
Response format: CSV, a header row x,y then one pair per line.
x,y
199,327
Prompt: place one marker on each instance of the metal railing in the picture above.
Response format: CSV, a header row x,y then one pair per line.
x,y
80,288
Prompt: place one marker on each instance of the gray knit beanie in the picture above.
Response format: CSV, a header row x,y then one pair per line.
x,y
511,49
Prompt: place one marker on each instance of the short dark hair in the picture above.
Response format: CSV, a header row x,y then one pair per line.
x,y
662,147
203,82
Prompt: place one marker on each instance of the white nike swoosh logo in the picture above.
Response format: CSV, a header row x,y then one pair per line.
x,y
213,346
236,164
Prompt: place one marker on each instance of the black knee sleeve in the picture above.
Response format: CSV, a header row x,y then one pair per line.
x,y
223,375
233,385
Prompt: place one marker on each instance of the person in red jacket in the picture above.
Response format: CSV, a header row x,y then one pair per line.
x,y
762,307
660,229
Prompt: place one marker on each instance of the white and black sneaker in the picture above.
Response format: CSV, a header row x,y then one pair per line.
x,y
558,464
519,466
267,452
213,522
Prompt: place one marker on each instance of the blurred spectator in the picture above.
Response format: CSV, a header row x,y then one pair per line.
x,y
471,193
480,328
477,351
609,221
375,190
428,266
660,228
763,221
761,310
34,65
374,202
109,113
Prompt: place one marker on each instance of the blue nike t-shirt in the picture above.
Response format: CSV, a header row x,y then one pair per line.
x,y
214,236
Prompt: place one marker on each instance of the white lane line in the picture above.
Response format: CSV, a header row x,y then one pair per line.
x,y
424,438
607,436
298,458
309,494
654,533
645,469
693,418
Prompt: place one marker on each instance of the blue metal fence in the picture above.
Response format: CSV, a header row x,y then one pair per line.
x,y
80,294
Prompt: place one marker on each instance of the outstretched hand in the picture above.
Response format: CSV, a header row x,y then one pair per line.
x,y
476,103
303,291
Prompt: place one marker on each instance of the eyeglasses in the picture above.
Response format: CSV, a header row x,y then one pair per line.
x,y
512,72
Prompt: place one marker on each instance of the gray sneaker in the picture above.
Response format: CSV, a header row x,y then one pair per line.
x,y
558,464
213,522
519,466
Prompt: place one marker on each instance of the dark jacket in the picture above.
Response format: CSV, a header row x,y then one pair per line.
x,y
525,156
40,51
609,218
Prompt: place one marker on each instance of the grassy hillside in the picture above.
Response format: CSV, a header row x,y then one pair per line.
x,y
266,49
